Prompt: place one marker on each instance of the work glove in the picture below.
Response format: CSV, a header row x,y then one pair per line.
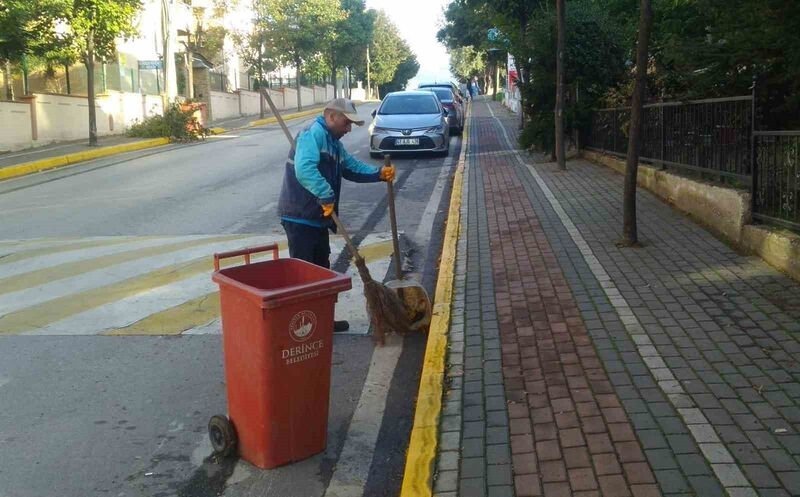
x,y
387,173
327,210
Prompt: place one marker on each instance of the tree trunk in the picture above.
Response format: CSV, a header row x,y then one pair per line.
x,y
496,79
368,97
90,89
190,73
66,73
560,152
629,233
9,82
333,75
299,91
261,88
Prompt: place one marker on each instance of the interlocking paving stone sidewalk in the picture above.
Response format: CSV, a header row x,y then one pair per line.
x,y
683,349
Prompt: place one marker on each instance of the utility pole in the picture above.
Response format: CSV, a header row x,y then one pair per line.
x,y
170,81
559,124
368,85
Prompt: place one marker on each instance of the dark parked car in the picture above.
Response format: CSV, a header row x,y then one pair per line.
x,y
455,115
447,84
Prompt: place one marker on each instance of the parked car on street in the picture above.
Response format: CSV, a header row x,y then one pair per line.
x,y
448,84
455,111
409,121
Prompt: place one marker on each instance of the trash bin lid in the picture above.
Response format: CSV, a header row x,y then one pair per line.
x,y
279,282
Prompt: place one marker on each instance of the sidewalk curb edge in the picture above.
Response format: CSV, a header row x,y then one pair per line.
x,y
37,166
423,444
70,159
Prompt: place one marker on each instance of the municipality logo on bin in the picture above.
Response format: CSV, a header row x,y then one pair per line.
x,y
302,326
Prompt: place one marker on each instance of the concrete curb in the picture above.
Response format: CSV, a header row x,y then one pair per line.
x,y
71,159
422,448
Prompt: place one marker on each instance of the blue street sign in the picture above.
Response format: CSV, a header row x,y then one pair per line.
x,y
149,64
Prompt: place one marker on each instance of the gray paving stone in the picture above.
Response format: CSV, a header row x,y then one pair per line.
x,y
473,447
449,440
473,429
497,435
671,481
472,487
760,475
498,474
693,465
501,491
661,459
446,481
448,460
707,486
779,460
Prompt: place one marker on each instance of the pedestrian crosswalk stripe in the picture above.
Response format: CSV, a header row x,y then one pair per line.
x,y
175,320
40,315
163,294
69,269
205,308
15,252
74,255
100,277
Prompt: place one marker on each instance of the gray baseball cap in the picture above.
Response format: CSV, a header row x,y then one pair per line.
x,y
346,107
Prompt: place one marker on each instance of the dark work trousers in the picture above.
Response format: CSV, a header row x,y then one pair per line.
x,y
308,243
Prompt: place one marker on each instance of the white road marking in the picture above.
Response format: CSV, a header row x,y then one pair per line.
x,y
32,296
429,214
82,254
355,460
352,468
4,381
268,207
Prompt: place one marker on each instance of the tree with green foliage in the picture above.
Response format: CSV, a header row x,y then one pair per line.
x,y
387,52
466,62
91,28
15,37
26,30
298,30
353,34
406,70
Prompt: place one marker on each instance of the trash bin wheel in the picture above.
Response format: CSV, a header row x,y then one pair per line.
x,y
222,435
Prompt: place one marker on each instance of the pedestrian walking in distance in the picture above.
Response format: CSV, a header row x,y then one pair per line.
x,y
312,182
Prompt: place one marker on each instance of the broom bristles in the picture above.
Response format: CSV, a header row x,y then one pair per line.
x,y
386,312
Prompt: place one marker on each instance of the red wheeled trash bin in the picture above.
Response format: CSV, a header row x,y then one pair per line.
x,y
277,335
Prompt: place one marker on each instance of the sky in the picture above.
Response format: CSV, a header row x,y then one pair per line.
x,y
418,21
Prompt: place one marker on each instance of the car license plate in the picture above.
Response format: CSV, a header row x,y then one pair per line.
x,y
407,141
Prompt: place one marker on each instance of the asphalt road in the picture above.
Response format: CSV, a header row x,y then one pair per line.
x,y
83,414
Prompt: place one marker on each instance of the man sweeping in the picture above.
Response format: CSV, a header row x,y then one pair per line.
x,y
313,179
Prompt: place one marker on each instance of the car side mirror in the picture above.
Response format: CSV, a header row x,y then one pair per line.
x,y
374,112
445,112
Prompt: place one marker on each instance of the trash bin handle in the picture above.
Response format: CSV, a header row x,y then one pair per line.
x,y
246,252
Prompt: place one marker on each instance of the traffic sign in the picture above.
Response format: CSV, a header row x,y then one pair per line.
x,y
149,64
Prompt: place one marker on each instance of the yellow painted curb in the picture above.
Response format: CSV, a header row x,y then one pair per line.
x,y
74,158
286,117
421,456
71,159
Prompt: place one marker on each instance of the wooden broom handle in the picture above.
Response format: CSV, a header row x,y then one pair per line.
x,y
398,266
340,227
277,115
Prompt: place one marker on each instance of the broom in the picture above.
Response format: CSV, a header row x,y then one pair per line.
x,y
386,311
